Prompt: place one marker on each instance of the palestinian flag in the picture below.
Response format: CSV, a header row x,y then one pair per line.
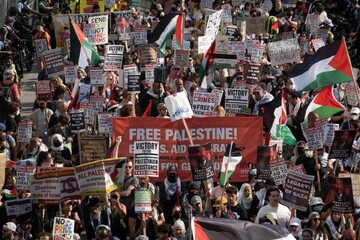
x,y
166,28
81,49
328,66
325,104
232,157
206,63
9,193
274,119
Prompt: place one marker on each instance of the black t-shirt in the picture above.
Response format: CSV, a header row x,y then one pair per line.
x,y
150,227
11,124
240,212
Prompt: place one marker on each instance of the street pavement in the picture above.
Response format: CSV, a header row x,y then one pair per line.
x,y
27,89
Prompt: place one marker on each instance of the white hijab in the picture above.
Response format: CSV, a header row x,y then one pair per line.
x,y
246,202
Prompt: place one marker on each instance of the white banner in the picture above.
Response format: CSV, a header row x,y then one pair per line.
x,y
178,106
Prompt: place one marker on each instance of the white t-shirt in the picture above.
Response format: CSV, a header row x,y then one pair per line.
x,y
282,212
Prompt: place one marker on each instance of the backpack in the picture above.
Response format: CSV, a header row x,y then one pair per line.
x,y
5,97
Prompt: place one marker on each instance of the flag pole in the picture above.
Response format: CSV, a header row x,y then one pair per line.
x,y
187,131
227,165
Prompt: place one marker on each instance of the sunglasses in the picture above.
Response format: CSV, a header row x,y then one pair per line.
x,y
316,219
128,167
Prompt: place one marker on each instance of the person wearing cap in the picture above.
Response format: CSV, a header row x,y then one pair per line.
x,y
68,212
104,232
163,112
93,216
221,209
13,94
295,228
236,208
261,97
282,212
354,117
198,210
314,223
8,231
326,25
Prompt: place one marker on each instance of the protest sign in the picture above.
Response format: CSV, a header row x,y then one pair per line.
x,y
265,155
129,70
351,93
304,45
87,6
84,93
104,123
18,207
257,52
63,228
181,57
218,96
53,187
342,144
22,177
341,194
100,29
255,25
323,33
279,145
54,62
139,35
289,3
146,159
94,148
47,169
212,25
148,55
236,100
312,22
297,190
149,73
77,121
317,43
142,201
206,4
299,168
41,45
43,90
133,85
96,77
174,141
221,44
24,132
113,57
226,14
355,181
278,171
204,43
97,177
89,112
329,133
203,103
238,48
98,102
315,137
123,29
70,74
178,106
284,51
252,73
301,11
201,162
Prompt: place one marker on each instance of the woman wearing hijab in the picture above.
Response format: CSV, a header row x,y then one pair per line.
x,y
295,228
245,196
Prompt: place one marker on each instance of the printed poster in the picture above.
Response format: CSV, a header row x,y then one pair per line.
x,y
146,159
201,162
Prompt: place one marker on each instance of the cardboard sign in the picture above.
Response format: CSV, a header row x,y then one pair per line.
x,y
129,70
140,35
355,180
235,100
63,227
149,73
22,176
97,177
265,155
257,52
204,43
99,29
94,148
212,25
201,162
342,144
113,57
89,112
84,93
317,43
146,159
133,85
238,48
351,93
304,45
178,106
24,132
104,123
54,62
148,55
43,90
70,74
221,44
98,102
143,201
278,171
297,190
41,45
18,207
301,11
52,187
96,77
312,22
181,57
255,25
284,51
77,121
174,140
341,194
203,103
252,73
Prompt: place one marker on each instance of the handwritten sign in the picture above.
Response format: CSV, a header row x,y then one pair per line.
x,y
24,132
284,51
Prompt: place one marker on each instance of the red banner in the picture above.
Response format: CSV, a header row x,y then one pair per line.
x,y
244,131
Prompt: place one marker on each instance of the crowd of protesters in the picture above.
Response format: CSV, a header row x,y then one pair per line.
x,y
99,217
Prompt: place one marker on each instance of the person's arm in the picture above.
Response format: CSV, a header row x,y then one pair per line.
x,y
127,191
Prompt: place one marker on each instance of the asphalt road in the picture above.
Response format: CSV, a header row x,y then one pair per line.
x,y
28,91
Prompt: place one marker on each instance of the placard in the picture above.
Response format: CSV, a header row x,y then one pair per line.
x,y
312,22
148,55
100,29
252,73
54,62
43,90
304,45
129,70
297,190
265,155
278,171
146,159
22,177
284,51
24,132
113,57
178,106
18,207
317,43
238,48
221,44
355,181
84,93
204,43
255,25
41,45
226,15
96,77
235,100
94,148
149,73
140,35
89,112
98,102
257,52
70,74
123,29
181,57
143,201
203,103
104,123
201,162
351,93
133,85
77,121
342,144
340,194
212,25
63,228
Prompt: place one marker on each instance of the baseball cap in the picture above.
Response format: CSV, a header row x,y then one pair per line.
x,y
2,127
68,202
355,110
328,22
195,200
294,222
9,226
258,89
316,201
220,201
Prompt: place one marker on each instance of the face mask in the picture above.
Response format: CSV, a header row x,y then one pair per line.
x,y
317,208
301,151
357,211
171,177
355,117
